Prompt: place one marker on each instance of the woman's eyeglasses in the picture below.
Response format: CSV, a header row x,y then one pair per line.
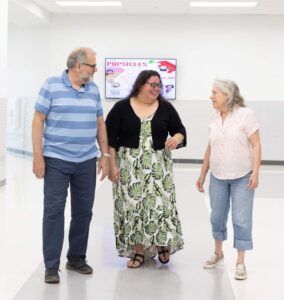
x,y
154,85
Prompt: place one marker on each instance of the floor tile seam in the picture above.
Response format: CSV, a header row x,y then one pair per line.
x,y
15,292
268,198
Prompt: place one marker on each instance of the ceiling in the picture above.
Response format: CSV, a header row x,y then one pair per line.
x,y
165,7
38,12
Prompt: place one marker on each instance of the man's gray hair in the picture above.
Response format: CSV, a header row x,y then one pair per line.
x,y
78,55
232,91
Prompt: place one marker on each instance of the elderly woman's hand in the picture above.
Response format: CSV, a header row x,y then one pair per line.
x,y
253,182
199,183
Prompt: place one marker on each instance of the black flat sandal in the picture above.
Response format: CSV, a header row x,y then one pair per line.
x,y
134,259
162,253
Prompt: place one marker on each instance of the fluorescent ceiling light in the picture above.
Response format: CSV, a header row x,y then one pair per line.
x,y
224,4
88,3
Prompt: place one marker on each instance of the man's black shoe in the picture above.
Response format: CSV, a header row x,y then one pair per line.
x,y
51,276
79,264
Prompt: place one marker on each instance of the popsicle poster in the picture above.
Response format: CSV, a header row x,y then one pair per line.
x,y
120,74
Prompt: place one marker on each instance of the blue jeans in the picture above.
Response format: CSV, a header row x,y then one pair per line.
x,y
221,191
81,177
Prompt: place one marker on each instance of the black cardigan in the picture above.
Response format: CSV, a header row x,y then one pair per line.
x,y
123,125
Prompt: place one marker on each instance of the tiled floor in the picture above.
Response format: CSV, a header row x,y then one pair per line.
x,y
21,274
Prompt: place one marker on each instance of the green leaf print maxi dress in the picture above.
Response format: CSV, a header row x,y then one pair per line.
x,y
144,199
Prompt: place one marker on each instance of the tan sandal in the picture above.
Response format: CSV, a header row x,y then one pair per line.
x,y
162,255
134,259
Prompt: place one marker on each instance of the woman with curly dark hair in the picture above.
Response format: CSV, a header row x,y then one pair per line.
x,y
146,220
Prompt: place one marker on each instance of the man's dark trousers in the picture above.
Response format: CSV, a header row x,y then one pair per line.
x,y
81,177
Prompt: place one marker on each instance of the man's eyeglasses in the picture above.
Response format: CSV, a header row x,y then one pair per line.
x,y
154,84
89,65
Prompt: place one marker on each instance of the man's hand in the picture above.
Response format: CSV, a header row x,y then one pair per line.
x,y
103,167
39,166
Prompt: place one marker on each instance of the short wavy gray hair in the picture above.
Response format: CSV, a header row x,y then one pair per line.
x,y
78,55
232,91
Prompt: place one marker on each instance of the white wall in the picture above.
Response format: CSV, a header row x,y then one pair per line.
x,y
247,49
3,86
28,60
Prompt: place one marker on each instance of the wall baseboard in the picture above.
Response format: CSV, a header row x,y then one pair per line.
x,y
18,151
200,161
175,160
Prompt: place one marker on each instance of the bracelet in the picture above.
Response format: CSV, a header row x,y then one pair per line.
x,y
106,154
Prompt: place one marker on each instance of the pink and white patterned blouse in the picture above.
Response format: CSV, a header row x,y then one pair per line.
x,y
231,153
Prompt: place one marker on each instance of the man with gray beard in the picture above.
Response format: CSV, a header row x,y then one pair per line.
x,y
67,122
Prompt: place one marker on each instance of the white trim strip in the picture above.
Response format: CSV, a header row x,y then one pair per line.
x,y
224,4
89,3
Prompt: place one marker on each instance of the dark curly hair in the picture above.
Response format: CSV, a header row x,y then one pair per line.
x,y
141,79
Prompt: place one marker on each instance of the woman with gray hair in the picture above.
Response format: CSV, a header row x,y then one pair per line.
x,y
233,155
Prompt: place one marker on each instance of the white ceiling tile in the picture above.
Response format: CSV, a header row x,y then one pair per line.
x,y
264,7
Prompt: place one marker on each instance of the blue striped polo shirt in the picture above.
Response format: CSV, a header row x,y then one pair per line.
x,y
71,118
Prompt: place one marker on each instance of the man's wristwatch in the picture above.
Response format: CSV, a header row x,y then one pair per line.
x,y
105,154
